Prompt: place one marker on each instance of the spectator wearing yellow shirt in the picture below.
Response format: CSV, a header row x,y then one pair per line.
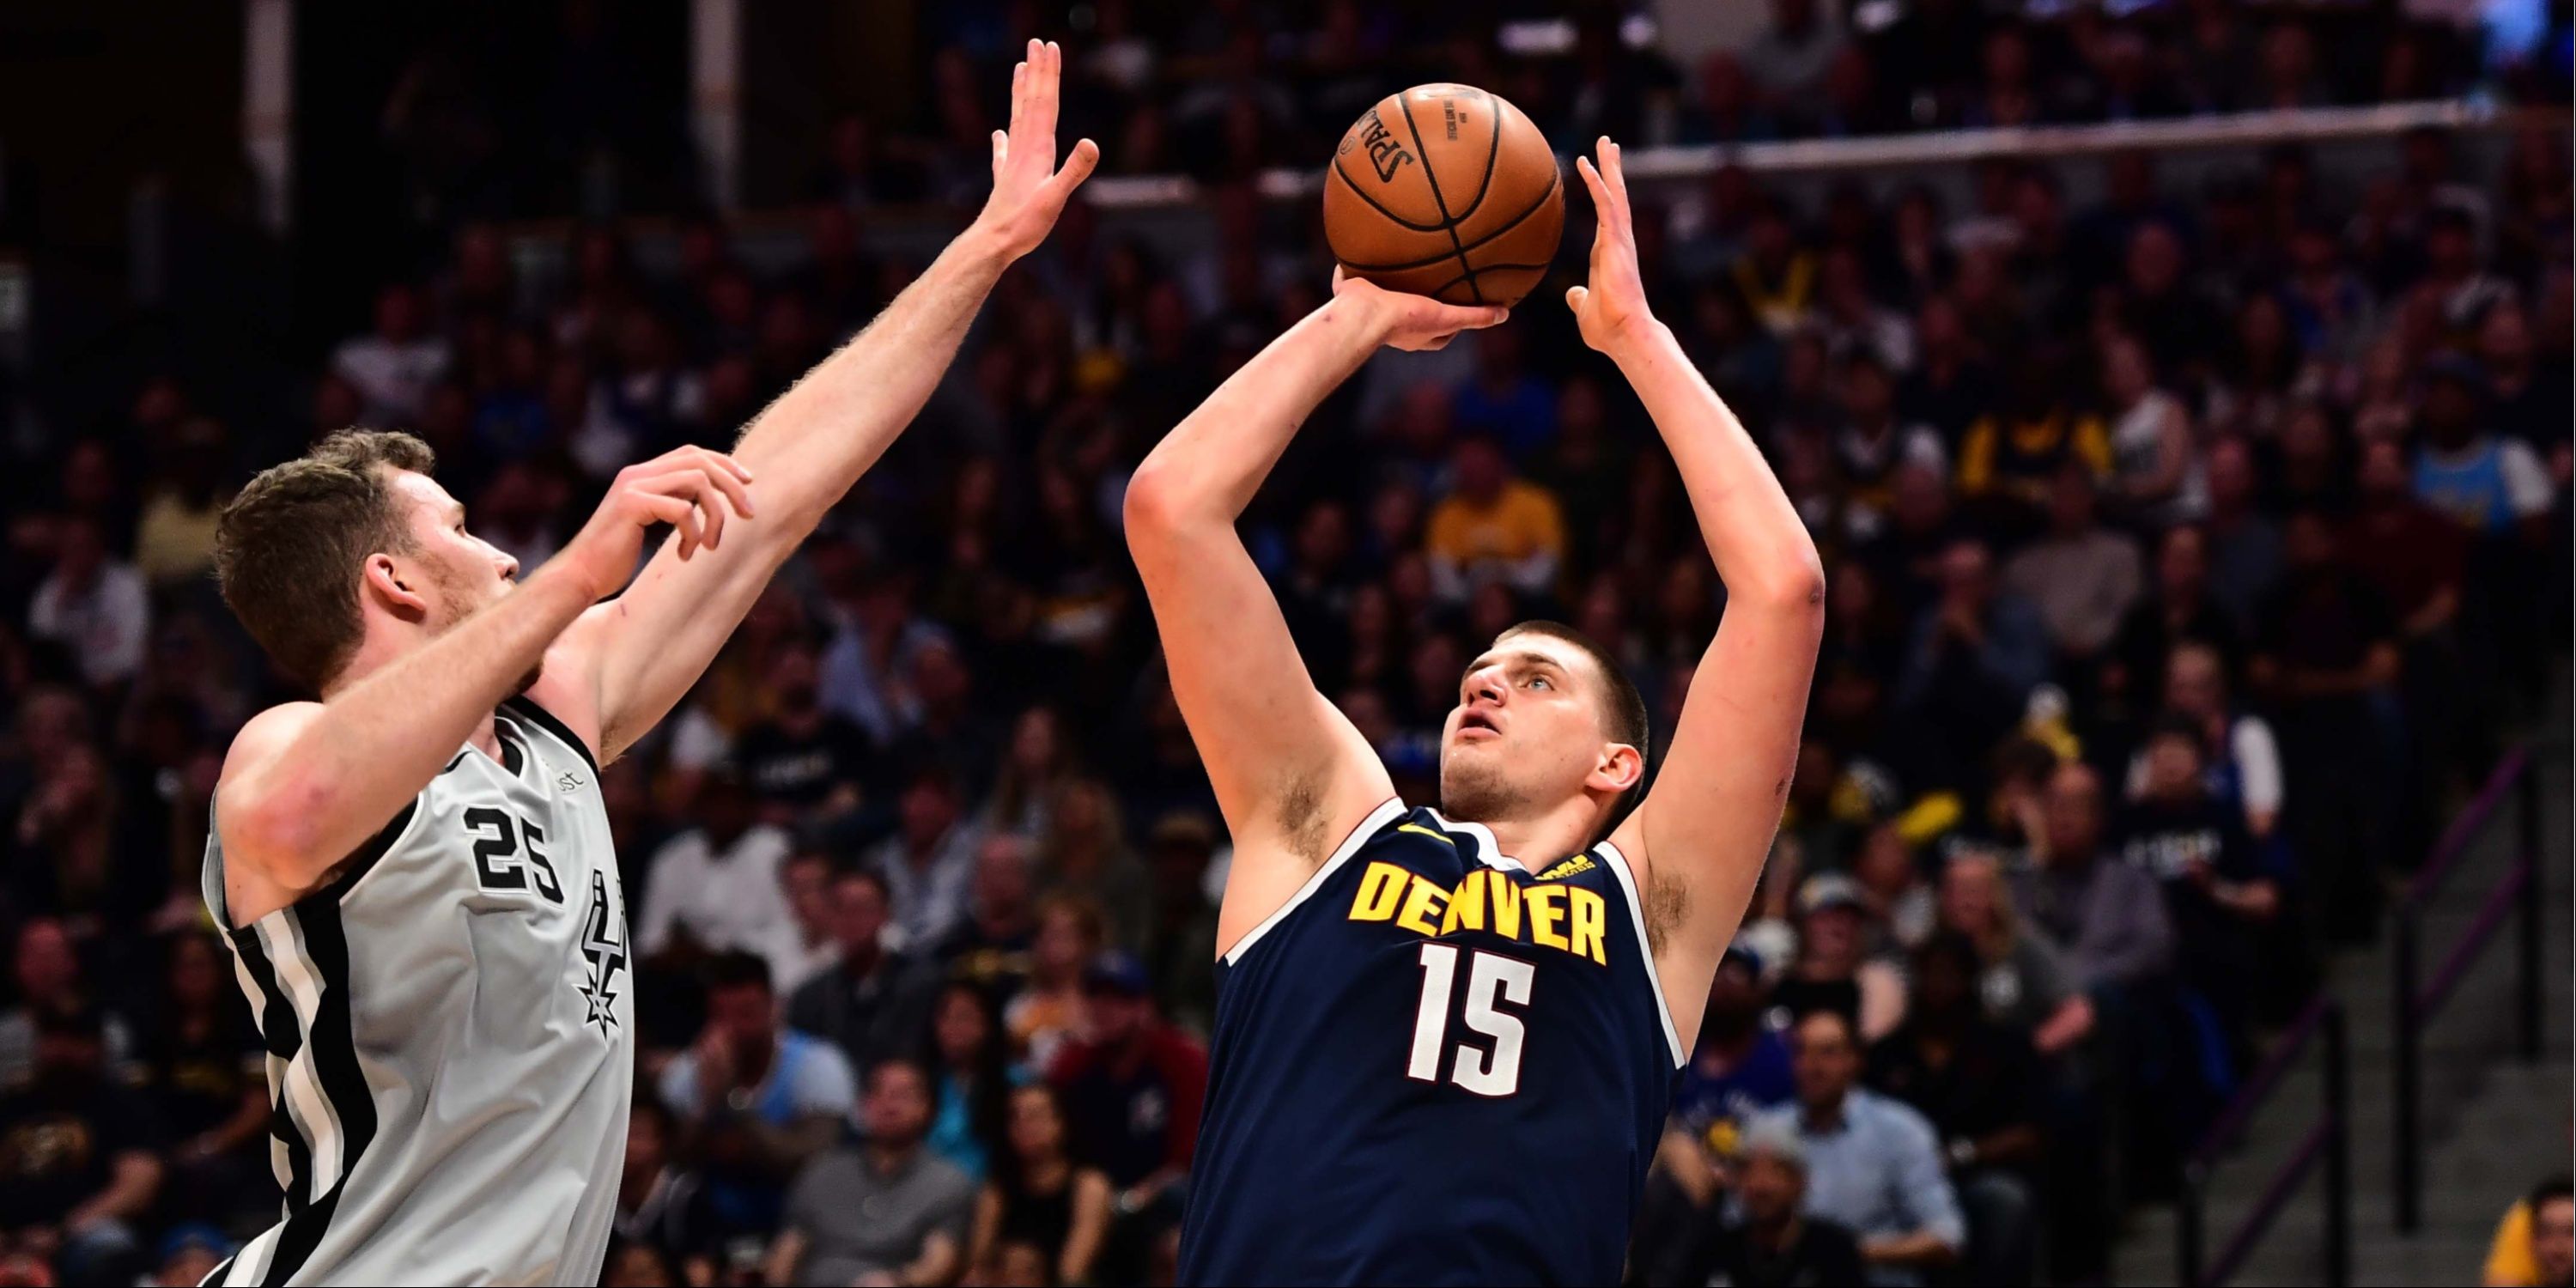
x,y
2536,1242
1493,527
2012,455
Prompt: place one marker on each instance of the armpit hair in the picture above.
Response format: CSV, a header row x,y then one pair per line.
x,y
1301,818
1666,900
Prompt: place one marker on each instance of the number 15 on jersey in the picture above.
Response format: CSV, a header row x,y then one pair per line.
x,y
1494,981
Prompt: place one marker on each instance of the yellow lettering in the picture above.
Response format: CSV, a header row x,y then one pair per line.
x,y
1467,906
1544,913
1380,887
1507,905
1591,918
1423,902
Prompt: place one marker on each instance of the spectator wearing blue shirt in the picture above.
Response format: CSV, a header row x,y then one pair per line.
x,y
1739,1069
754,1098
1873,1164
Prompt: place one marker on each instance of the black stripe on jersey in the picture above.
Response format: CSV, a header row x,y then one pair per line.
x,y
344,1084
283,1035
527,709
363,858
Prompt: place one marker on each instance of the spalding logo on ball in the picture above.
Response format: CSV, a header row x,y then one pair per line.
x,y
1445,191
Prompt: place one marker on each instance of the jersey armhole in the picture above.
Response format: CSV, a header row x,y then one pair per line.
x,y
528,708
1387,812
1618,865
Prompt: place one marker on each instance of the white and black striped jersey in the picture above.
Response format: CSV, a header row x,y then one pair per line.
x,y
450,1033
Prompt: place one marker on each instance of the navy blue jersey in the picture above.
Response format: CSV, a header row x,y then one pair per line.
x,y
1432,1066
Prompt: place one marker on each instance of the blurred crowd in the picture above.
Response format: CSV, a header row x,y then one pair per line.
x,y
2190,550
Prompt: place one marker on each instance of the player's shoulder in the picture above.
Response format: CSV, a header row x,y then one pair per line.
x,y
266,734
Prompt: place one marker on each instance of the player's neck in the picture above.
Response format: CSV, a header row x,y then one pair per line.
x,y
384,644
1539,836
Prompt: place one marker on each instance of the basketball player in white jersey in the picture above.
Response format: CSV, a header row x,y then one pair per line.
x,y
415,873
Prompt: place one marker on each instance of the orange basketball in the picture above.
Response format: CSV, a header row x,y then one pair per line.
x,y
1445,191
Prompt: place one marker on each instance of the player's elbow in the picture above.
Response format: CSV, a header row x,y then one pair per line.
x,y
1157,505
279,823
1790,582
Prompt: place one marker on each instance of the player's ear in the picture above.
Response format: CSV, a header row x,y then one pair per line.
x,y
1621,767
391,586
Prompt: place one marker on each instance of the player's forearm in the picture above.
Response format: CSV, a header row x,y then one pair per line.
x,y
1762,550
809,447
1206,470
323,791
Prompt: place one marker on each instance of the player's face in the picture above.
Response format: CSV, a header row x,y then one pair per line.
x,y
1527,730
463,572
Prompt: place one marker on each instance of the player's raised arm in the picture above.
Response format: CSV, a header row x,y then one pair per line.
x,y
1699,837
643,651
306,783
1291,773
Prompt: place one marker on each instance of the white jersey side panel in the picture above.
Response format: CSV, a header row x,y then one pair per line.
x,y
449,1031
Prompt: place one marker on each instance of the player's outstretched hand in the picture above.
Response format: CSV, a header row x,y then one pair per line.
x,y
691,488
1613,306
1028,190
1415,322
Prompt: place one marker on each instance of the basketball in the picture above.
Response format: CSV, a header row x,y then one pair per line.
x,y
1445,191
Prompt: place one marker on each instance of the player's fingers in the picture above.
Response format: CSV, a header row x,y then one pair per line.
x,y
1592,184
1078,166
1020,92
736,494
1460,317
1574,297
681,515
1611,169
1001,152
1045,89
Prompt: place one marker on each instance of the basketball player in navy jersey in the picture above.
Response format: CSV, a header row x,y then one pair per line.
x,y
1446,1038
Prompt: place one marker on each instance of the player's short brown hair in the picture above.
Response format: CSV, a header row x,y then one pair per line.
x,y
290,546
1623,709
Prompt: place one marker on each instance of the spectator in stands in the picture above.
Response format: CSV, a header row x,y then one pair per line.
x,y
1040,1197
2244,543
1789,58
2218,892
1739,1068
1873,442
2536,1242
1873,1164
802,761
1084,855
2327,655
715,888
2176,609
1976,653
393,368
750,1088
872,1001
2241,758
1037,764
1834,969
206,1075
886,1210
1770,1239
2156,475
930,860
662,1205
990,948
2487,483
2106,918
1132,1091
1054,1008
2022,983
1979,1085
47,970
1183,941
2012,458
809,946
94,605
2082,577
1493,527
80,1158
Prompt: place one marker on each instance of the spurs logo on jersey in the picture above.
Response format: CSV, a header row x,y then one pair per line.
x,y
441,1020
604,946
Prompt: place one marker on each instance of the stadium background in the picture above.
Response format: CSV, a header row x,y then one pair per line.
x,y
2176,389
